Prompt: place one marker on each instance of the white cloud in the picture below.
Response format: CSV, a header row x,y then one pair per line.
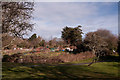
x,y
105,22
50,18
52,12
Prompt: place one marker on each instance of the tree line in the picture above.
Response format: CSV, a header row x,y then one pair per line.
x,y
16,23
101,42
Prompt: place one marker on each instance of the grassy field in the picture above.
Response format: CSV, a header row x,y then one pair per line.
x,y
102,71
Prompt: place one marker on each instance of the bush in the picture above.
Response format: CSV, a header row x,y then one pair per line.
x,y
24,44
5,58
76,57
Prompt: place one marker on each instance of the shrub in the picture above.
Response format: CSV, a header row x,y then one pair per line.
x,y
5,58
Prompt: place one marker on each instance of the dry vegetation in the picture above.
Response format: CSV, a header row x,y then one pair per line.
x,y
52,57
76,57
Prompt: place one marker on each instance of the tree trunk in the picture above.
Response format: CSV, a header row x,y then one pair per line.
x,y
94,60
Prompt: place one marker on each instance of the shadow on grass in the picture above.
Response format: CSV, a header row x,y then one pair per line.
x,y
51,72
58,73
109,58
61,79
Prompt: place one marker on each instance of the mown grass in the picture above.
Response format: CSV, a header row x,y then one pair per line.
x,y
17,71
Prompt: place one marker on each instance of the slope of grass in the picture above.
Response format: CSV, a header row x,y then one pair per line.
x,y
16,71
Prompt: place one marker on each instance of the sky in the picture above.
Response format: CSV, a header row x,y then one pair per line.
x,y
60,0
50,18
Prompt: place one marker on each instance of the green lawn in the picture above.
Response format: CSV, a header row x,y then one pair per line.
x,y
16,71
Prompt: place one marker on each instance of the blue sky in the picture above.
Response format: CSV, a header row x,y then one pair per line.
x,y
51,17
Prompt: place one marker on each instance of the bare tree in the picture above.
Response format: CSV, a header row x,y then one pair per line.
x,y
118,49
16,17
109,38
96,44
